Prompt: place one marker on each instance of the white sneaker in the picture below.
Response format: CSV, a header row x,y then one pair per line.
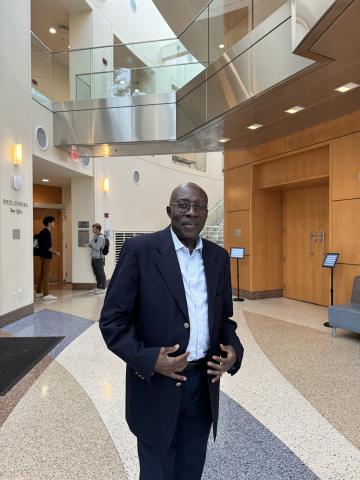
x,y
39,295
98,291
92,291
50,297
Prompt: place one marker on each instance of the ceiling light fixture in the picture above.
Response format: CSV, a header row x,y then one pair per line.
x,y
224,140
255,126
221,45
45,180
347,87
52,30
295,109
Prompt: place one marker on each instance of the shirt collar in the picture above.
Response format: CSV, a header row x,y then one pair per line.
x,y
178,245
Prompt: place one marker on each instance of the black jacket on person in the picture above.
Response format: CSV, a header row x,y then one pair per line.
x,y
45,243
145,308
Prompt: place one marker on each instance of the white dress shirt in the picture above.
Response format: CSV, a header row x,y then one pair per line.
x,y
193,275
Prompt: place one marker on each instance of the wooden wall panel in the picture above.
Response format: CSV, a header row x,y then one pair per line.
x,y
343,281
237,188
324,131
244,273
47,194
236,221
345,167
308,164
345,230
236,159
267,241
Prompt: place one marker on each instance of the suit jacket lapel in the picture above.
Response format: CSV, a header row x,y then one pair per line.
x,y
212,271
169,267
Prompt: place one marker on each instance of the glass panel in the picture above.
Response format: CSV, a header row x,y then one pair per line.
x,y
264,8
229,22
194,39
67,66
41,71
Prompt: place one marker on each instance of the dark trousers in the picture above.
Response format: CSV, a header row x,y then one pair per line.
x,y
185,458
98,269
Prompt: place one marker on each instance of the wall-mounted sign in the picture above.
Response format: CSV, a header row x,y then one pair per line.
x,y
15,205
83,224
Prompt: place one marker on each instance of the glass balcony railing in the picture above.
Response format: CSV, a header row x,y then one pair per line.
x,y
153,67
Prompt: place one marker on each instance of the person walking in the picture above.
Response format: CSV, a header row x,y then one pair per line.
x,y
166,314
46,251
97,259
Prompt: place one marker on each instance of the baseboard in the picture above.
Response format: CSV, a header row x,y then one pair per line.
x,y
259,294
85,286
11,317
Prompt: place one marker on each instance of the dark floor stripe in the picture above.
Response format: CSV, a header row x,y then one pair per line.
x,y
46,323
246,449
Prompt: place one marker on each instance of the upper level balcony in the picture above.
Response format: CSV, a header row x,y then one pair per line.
x,y
186,93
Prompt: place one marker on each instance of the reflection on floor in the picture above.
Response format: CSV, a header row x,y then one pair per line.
x,y
290,413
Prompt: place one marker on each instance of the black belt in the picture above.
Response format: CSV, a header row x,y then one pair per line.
x,y
196,364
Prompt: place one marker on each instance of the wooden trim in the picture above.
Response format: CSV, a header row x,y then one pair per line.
x,y
258,295
85,286
14,315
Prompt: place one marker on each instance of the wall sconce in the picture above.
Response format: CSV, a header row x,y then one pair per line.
x,y
17,158
106,184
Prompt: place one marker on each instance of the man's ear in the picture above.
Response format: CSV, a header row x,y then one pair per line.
x,y
168,211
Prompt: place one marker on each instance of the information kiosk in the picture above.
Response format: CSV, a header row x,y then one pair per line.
x,y
330,260
238,253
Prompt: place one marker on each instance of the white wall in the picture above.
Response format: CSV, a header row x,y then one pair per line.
x,y
16,258
143,207
42,116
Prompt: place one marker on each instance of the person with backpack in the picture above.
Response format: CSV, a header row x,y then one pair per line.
x,y
43,248
99,246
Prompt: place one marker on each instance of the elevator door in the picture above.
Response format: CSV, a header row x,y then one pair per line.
x,y
306,225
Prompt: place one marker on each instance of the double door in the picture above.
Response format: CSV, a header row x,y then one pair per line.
x,y
306,227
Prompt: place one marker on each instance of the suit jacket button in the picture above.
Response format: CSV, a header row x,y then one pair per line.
x,y
186,325
178,384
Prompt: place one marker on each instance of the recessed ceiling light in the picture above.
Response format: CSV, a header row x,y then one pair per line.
x,y
52,30
122,82
45,180
347,87
221,45
224,140
255,126
136,90
295,109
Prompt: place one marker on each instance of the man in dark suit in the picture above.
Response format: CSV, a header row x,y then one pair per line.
x,y
166,314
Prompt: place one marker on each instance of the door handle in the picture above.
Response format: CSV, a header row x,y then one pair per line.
x,y
312,237
322,240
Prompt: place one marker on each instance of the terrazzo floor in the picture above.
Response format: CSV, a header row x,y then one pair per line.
x,y
292,412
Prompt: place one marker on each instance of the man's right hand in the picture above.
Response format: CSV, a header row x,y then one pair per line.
x,y
169,366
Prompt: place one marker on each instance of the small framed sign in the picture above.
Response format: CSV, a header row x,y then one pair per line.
x,y
237,252
330,260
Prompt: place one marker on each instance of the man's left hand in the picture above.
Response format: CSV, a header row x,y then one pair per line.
x,y
223,363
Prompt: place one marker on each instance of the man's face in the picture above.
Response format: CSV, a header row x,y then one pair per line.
x,y
188,224
51,225
95,230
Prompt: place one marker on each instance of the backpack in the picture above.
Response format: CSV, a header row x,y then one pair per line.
x,y
105,250
36,245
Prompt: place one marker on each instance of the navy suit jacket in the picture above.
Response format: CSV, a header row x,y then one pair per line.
x,y
145,308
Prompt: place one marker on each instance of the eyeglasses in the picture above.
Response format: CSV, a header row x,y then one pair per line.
x,y
183,206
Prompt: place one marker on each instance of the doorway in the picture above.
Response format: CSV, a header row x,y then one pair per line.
x,y
306,227
56,236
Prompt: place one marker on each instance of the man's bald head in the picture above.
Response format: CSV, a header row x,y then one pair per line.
x,y
184,188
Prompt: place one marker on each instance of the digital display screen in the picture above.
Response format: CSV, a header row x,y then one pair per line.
x,y
330,260
237,252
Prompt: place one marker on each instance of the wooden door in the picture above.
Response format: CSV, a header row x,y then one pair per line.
x,y
56,235
306,226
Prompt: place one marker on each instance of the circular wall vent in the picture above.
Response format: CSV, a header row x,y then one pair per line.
x,y
85,160
42,137
136,177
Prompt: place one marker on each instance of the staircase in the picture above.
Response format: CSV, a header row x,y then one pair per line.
x,y
214,227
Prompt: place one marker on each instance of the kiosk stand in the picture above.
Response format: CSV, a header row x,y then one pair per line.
x,y
330,260
238,253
